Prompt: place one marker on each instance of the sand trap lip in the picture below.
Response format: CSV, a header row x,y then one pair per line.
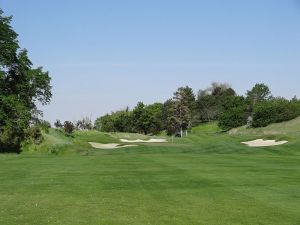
x,y
143,141
109,146
263,143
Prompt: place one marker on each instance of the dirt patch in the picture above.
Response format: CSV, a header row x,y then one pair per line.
x,y
109,146
264,143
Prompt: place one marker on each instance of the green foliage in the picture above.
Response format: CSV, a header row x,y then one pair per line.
x,y
183,107
172,123
260,92
286,129
69,127
21,88
207,108
177,113
120,121
234,112
152,118
216,103
105,123
44,125
84,124
14,119
259,109
58,124
34,135
274,111
9,43
142,119
209,101
137,114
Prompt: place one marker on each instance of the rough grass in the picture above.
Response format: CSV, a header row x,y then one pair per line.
x,y
206,178
290,128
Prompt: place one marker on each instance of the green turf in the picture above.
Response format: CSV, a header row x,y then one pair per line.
x,y
206,178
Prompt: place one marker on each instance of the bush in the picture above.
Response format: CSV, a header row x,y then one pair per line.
x,y
34,134
275,111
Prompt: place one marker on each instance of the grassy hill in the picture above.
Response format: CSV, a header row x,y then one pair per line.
x,y
206,178
289,128
56,142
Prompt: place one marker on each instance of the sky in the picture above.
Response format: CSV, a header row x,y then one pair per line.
x,y
106,55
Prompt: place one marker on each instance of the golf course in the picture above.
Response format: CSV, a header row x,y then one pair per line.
x,y
149,112
208,177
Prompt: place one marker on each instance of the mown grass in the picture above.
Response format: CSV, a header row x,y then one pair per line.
x,y
206,178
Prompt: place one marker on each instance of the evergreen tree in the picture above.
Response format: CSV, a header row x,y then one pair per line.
x,y
184,103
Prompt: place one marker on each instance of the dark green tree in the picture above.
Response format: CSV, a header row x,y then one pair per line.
x,y
260,92
69,127
137,121
275,110
120,121
152,118
58,124
21,88
233,113
105,123
184,103
209,101
171,121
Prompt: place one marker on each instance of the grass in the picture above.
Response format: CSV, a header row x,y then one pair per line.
x,y
206,178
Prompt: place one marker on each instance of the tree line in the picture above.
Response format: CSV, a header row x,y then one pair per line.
x,y
219,102
23,87
173,115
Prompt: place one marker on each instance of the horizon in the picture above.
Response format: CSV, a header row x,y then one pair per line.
x,y
148,50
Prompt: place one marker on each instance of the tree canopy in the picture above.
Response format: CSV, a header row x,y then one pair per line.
x,y
219,102
21,88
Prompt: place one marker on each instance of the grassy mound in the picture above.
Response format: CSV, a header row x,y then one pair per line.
x,y
290,128
57,142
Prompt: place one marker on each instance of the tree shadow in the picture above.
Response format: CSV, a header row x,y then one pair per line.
x,y
10,148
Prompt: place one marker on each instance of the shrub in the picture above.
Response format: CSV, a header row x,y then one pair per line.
x,y
34,134
275,111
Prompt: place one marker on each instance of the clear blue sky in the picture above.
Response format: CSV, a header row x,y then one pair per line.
x,y
105,55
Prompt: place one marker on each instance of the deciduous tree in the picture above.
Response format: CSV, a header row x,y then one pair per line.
x,y
21,88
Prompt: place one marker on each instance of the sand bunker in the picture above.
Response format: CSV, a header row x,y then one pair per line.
x,y
264,143
143,141
109,146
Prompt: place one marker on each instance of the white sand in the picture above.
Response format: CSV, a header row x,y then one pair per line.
x,y
143,141
109,146
263,143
